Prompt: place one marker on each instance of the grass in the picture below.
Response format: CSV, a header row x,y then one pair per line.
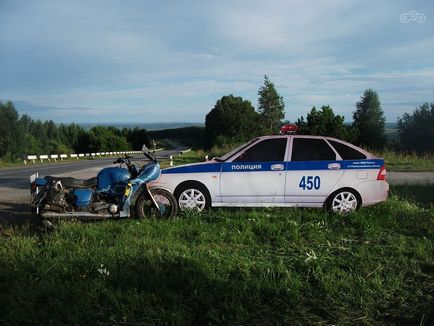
x,y
418,195
260,267
192,156
402,162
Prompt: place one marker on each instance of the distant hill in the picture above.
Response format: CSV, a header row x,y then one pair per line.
x,y
147,126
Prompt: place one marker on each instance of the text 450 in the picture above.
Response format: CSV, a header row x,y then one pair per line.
x,y
310,182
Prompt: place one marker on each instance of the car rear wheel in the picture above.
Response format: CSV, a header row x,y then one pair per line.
x,y
193,196
344,201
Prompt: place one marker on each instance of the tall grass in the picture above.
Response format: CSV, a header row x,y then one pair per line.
x,y
264,267
407,162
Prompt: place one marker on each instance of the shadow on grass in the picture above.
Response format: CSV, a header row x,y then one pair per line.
x,y
164,290
16,215
422,195
167,290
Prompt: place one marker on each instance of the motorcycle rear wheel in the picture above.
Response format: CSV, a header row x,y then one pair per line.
x,y
168,207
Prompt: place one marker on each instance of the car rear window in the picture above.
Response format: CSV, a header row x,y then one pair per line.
x,y
347,152
311,149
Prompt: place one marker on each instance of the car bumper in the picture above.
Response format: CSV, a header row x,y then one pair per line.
x,y
373,192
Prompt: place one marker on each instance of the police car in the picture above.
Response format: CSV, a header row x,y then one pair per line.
x,y
284,170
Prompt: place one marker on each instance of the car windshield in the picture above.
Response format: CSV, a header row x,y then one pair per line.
x,y
236,150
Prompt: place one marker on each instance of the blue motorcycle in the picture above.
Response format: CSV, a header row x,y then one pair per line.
x,y
110,194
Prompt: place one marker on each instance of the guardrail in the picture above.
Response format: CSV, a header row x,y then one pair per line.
x,y
76,156
56,157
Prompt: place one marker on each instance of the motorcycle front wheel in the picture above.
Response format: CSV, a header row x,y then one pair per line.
x,y
167,205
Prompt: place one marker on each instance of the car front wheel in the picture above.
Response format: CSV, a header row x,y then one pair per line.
x,y
343,202
193,196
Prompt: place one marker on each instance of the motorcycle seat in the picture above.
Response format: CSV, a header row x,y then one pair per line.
x,y
69,182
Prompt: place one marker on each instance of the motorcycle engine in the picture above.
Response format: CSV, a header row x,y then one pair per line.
x,y
59,199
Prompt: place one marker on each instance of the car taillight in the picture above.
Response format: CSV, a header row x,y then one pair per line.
x,y
382,174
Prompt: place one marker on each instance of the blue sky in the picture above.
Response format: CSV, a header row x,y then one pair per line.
x,y
165,61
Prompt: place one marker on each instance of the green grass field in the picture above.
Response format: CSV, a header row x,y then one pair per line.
x,y
228,266
407,162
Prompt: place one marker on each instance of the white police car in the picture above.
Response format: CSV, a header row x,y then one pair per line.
x,y
284,171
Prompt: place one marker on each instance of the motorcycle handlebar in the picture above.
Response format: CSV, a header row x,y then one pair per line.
x,y
119,160
127,161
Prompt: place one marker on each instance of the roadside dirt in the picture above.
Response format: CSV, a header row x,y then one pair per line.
x,y
14,202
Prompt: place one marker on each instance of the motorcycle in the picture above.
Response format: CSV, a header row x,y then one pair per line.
x,y
110,194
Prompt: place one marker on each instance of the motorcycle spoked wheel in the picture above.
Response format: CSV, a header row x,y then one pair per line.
x,y
168,207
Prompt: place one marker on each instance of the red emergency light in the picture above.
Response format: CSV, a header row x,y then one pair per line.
x,y
288,129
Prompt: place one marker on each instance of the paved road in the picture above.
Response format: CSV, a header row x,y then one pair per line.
x,y
14,182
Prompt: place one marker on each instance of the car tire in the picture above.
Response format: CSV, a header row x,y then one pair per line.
x,y
343,201
192,195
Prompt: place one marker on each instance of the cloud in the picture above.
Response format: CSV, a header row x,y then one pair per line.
x,y
160,60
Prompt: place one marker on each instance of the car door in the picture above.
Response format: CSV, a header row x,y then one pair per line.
x,y
312,172
257,174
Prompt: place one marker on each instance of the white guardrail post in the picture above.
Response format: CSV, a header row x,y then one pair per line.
x,y
44,157
55,157
32,158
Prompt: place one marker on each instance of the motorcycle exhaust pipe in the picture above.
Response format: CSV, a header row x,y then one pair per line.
x,y
78,215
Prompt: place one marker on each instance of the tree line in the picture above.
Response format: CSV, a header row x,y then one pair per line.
x,y
22,135
231,121
234,120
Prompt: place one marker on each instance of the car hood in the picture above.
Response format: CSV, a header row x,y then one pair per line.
x,y
210,166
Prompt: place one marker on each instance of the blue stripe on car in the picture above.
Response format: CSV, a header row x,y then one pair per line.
x,y
197,168
266,166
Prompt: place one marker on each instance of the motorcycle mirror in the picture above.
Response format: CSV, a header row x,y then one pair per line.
x,y
145,149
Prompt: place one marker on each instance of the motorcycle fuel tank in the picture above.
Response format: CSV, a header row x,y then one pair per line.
x,y
108,178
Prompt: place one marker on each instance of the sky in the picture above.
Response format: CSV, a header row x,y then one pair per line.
x,y
170,61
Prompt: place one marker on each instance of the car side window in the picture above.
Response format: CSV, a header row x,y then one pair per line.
x,y
311,149
347,152
267,150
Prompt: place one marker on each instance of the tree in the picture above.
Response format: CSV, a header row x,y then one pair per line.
x,y
11,132
106,139
416,130
324,122
271,107
369,121
137,137
231,120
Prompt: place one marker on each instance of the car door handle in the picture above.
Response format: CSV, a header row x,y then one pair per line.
x,y
334,166
277,167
